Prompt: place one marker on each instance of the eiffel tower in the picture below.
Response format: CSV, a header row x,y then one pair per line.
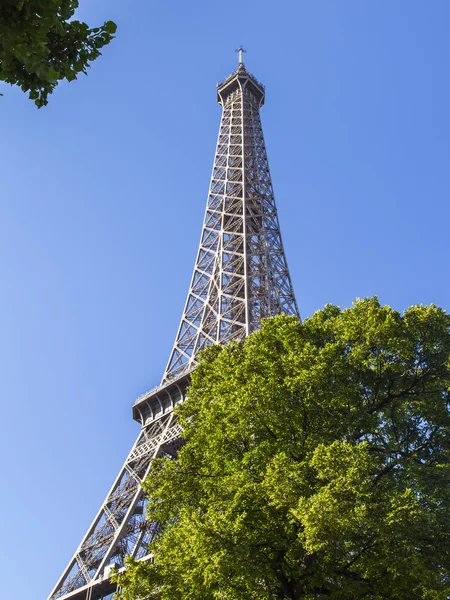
x,y
240,277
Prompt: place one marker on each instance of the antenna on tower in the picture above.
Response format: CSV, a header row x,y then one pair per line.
x,y
241,51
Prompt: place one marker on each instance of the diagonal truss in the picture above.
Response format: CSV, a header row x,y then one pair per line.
x,y
240,277
120,527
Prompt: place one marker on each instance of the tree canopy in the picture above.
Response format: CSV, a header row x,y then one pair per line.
x,y
316,465
40,44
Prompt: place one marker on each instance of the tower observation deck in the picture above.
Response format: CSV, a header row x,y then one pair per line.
x,y
240,277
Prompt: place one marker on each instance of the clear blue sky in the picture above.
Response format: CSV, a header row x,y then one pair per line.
x,y
102,199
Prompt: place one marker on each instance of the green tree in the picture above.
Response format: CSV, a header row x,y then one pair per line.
x,y
40,45
316,465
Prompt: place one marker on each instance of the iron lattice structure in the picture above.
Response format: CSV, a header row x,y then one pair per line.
x,y
240,277
241,274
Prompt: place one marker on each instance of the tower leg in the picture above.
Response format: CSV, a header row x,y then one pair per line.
x,y
120,527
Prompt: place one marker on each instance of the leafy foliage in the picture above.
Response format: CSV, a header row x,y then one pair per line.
x,y
316,465
40,45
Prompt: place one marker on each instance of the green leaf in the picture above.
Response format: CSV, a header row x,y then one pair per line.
x,y
52,75
110,27
60,27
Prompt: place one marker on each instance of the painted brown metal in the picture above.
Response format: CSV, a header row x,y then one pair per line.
x,y
240,277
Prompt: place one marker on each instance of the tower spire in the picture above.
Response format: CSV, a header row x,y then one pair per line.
x,y
241,52
240,277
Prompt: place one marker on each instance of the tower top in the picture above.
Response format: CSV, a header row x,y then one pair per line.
x,y
241,51
240,79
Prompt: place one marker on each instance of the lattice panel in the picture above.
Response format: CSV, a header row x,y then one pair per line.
x,y
120,527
